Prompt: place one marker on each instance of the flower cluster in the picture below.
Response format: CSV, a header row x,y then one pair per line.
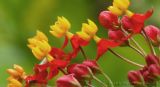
x,y
121,25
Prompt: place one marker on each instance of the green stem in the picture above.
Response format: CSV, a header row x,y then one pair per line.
x,y
135,42
148,42
95,78
83,53
137,50
107,77
125,59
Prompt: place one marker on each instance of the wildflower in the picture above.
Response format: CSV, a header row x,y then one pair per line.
x,y
60,28
39,45
152,32
16,76
108,20
68,81
154,71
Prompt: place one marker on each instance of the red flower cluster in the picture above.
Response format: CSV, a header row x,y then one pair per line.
x,y
148,75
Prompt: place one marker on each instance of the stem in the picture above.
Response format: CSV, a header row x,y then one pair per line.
x,y
137,50
62,71
107,77
149,42
103,85
90,83
135,42
125,59
83,53
95,78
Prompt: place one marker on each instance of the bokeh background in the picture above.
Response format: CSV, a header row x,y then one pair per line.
x,y
19,20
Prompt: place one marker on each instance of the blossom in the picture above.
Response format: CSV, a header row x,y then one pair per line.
x,y
108,20
153,33
39,45
60,28
16,76
68,81
152,59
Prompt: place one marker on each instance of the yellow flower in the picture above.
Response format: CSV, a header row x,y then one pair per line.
x,y
120,7
88,30
39,45
60,28
16,76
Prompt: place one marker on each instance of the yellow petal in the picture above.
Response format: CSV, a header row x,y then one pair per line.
x,y
96,39
115,10
93,25
120,4
55,34
129,13
83,35
37,53
41,36
13,72
14,83
18,69
69,35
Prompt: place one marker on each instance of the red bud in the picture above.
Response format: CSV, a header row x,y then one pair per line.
x,y
67,81
154,70
108,20
152,59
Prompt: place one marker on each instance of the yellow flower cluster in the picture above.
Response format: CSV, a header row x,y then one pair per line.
x,y
120,7
16,76
39,45
88,30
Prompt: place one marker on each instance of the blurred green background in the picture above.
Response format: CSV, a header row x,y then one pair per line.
x,y
19,20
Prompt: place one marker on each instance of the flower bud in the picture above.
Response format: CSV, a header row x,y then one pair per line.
x,y
154,71
68,81
108,20
152,32
80,71
135,78
13,72
115,35
152,59
92,64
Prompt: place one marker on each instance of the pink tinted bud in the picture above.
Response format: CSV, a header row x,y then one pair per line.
x,y
154,70
152,33
80,71
135,77
126,23
152,59
67,81
92,64
108,20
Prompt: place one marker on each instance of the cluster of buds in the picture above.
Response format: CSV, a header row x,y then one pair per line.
x,y
148,75
121,25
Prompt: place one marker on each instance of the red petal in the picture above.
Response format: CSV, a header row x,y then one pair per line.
x,y
52,72
103,46
76,42
65,42
59,63
57,53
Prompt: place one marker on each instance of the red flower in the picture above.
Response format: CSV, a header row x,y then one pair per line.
x,y
152,59
152,32
80,71
135,23
76,42
135,78
108,20
68,81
